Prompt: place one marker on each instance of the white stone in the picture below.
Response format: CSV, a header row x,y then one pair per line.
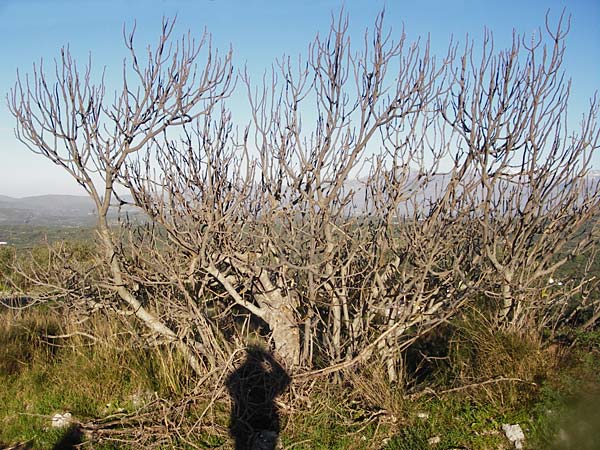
x,y
514,434
423,415
434,440
61,420
141,398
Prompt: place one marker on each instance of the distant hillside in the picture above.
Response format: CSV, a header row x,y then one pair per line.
x,y
5,198
79,211
48,210
27,236
59,210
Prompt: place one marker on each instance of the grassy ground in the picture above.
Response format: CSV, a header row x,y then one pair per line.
x,y
462,398
41,376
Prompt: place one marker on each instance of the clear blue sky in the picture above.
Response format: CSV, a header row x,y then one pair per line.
x,y
259,31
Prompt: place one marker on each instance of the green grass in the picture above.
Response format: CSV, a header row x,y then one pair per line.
x,y
560,413
332,421
362,411
567,415
40,379
457,423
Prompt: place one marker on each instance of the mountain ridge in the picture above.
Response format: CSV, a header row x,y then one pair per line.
x,y
79,210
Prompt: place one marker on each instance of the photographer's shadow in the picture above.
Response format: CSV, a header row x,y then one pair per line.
x,y
253,387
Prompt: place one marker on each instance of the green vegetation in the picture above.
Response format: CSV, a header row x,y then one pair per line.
x,y
447,316
463,381
29,236
549,392
43,374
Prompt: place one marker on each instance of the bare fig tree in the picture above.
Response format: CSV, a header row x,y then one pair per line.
x,y
271,220
70,121
375,190
535,200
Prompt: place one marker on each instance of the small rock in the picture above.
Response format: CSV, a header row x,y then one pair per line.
x,y
61,420
514,434
141,398
423,415
434,440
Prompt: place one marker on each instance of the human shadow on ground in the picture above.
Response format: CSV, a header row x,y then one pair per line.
x,y
253,387
70,440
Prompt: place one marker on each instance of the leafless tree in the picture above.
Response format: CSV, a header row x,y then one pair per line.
x,y
374,191
534,193
70,122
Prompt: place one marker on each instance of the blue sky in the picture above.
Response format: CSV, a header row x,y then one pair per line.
x,y
259,31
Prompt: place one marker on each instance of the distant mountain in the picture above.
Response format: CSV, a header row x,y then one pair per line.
x,y
6,198
73,210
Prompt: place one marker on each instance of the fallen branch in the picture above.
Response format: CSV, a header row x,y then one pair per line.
x,y
429,391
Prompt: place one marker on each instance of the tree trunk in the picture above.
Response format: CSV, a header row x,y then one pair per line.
x,y
151,321
279,314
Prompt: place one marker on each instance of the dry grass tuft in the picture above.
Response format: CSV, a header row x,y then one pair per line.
x,y
478,352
